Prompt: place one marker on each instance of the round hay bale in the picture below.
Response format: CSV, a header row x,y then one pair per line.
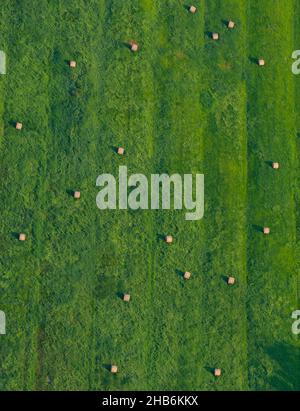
x,y
217,372
169,239
134,46
126,297
192,9
187,275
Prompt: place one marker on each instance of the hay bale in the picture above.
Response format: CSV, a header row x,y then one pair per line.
x,y
217,372
261,62
22,237
120,151
76,194
215,36
126,297
113,369
187,275
230,280
231,24
266,230
192,9
134,46
169,239
19,126
73,64
275,166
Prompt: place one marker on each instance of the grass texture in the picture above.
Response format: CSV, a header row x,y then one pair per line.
x,y
182,104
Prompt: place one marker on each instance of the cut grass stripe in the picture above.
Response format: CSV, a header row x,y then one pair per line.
x,y
271,260
175,361
224,100
23,161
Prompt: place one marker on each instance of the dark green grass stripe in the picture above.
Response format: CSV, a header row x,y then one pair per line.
x,y
126,119
3,47
271,259
71,258
294,352
22,184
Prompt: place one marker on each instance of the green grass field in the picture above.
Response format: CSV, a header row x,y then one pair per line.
x,y
183,104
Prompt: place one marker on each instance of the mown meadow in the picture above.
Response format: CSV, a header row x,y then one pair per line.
x,y
182,104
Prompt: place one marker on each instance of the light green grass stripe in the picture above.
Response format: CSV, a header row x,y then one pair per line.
x,y
175,358
296,46
224,99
